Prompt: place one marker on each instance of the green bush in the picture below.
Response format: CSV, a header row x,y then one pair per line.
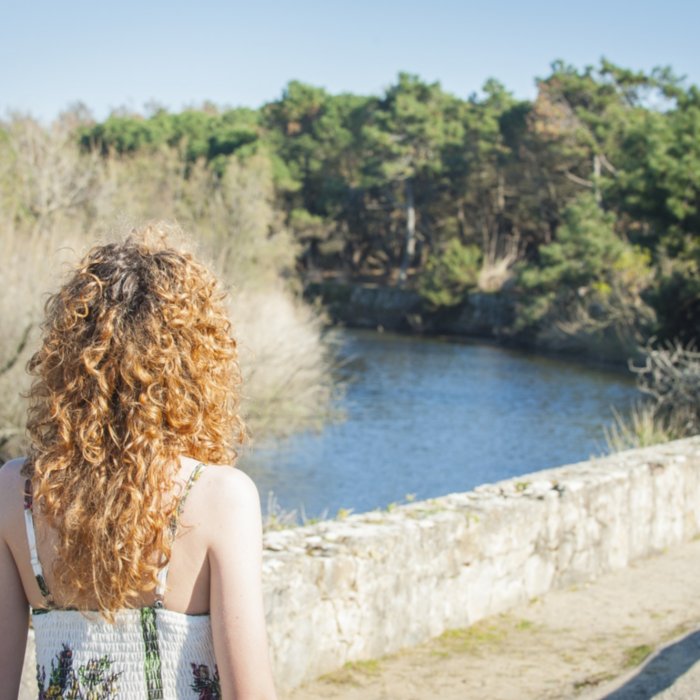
x,y
589,279
448,275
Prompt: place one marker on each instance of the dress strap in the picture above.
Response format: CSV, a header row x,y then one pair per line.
x,y
163,573
31,540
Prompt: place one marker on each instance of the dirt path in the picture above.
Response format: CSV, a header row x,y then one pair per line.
x,y
569,644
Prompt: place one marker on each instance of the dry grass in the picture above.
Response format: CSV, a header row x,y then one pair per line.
x,y
497,267
496,273
641,428
55,203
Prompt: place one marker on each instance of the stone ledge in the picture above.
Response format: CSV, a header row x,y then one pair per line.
x,y
373,583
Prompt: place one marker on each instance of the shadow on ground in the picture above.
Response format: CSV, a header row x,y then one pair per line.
x,y
661,671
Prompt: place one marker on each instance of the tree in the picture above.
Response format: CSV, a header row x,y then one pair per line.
x,y
403,143
482,172
589,280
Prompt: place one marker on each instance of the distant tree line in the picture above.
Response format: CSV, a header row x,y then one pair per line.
x,y
584,204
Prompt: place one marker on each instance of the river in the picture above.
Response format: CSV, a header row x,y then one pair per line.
x,y
426,417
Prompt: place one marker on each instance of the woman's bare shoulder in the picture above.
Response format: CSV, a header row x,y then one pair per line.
x,y
224,495
229,485
225,501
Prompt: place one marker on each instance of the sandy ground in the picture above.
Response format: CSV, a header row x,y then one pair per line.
x,y
587,642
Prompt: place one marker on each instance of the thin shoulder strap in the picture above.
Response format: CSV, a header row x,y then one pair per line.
x,y
31,540
163,573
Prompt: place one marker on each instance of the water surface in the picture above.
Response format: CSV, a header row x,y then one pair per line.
x,y
427,417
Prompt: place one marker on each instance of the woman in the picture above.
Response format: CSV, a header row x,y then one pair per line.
x,y
138,553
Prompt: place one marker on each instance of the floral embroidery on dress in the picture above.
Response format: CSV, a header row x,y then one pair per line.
x,y
92,681
209,688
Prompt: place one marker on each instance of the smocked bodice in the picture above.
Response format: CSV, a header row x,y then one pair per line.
x,y
149,653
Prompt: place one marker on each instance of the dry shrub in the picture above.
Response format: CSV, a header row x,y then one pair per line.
x,y
32,265
669,377
498,262
45,181
56,203
286,375
495,274
243,231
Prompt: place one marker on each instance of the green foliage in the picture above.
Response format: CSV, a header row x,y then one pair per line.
x,y
588,276
449,275
490,171
584,250
197,134
676,295
407,131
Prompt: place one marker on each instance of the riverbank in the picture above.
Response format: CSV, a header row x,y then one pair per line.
x,y
588,641
484,316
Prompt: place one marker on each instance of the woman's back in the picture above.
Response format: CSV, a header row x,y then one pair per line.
x,y
152,651
165,648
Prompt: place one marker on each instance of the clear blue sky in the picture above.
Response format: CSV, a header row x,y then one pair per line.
x,y
108,54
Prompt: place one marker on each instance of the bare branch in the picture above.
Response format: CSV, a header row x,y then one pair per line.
x,y
670,376
578,180
607,164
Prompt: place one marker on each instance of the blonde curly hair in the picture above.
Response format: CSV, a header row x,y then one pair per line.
x,y
137,366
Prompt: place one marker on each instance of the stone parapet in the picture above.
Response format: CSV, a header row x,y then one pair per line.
x,y
373,583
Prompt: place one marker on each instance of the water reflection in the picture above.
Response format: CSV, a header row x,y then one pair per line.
x,y
429,417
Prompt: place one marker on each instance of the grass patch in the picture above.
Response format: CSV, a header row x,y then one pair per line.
x,y
369,667
353,672
634,656
484,634
482,637
678,631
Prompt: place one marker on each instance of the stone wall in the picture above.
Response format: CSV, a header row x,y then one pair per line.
x,y
373,583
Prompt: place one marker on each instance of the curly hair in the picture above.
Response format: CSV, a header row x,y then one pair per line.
x,y
137,366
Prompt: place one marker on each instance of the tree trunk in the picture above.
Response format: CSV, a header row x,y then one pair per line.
x,y
409,250
462,220
596,180
501,194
